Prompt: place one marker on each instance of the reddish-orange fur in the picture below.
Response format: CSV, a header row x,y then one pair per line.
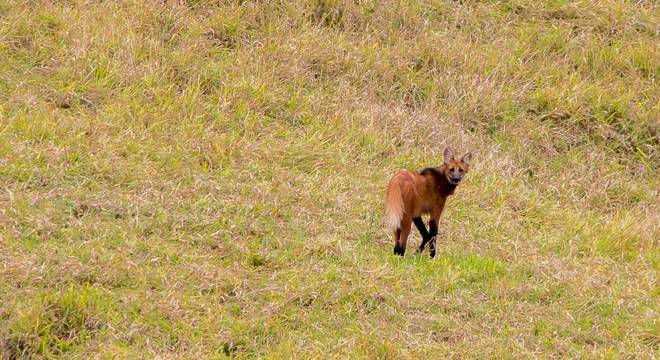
x,y
411,195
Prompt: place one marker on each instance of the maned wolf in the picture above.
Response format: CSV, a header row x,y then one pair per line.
x,y
411,195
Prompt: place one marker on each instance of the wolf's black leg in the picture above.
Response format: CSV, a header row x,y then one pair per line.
x,y
432,247
397,248
433,232
422,231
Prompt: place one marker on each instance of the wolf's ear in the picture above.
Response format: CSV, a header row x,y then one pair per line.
x,y
449,155
467,158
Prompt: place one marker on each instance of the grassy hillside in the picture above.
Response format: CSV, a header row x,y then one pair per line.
x,y
206,179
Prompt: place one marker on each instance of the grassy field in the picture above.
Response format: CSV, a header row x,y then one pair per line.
x,y
206,179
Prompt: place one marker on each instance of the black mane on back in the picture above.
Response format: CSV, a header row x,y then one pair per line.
x,y
428,170
441,181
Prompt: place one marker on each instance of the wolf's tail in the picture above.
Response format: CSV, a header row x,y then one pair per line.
x,y
394,208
